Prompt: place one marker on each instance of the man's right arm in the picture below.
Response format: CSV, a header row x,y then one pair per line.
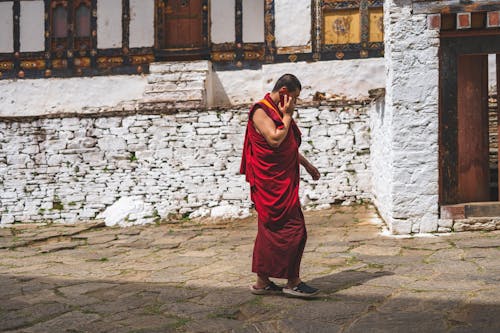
x,y
265,125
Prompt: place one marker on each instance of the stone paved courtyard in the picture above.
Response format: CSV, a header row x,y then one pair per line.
x,y
192,277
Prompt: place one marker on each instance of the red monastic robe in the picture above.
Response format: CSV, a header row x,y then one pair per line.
x,y
273,174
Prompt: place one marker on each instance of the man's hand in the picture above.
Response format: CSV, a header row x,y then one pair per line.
x,y
288,105
313,171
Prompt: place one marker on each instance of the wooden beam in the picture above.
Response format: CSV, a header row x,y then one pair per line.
x,y
453,6
498,113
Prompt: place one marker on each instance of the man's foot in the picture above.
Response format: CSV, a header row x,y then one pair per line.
x,y
302,290
270,289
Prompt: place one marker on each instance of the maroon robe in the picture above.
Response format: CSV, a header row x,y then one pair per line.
x,y
273,174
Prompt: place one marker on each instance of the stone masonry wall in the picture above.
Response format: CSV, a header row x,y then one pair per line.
x,y
184,164
381,157
412,81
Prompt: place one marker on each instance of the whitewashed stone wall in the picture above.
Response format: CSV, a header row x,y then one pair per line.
x,y
412,74
381,159
185,164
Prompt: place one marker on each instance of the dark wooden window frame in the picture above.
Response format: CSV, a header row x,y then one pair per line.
x,y
230,56
89,62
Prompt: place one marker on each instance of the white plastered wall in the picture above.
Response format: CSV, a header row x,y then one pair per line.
x,y
253,21
32,26
109,17
6,24
43,96
349,78
298,34
141,29
412,100
222,21
381,158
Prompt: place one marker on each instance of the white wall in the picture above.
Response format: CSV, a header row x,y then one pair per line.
x,y
412,96
292,22
349,78
181,165
32,24
142,23
109,23
43,96
253,21
6,24
381,157
222,19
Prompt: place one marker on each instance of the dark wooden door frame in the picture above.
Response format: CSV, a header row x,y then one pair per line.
x,y
450,48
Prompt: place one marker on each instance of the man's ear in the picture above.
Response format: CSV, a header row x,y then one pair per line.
x,y
283,90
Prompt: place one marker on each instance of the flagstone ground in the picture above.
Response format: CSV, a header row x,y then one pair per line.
x,y
195,277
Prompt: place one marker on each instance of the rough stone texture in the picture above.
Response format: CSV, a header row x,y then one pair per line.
x,y
184,164
200,283
381,157
411,101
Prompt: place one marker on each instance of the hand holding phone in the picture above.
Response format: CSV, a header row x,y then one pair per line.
x,y
286,103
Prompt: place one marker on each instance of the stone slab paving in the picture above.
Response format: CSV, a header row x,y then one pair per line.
x,y
195,277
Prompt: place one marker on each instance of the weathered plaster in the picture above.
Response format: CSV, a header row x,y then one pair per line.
x,y
35,97
292,22
412,74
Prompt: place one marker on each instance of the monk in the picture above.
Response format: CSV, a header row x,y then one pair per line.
x,y
271,162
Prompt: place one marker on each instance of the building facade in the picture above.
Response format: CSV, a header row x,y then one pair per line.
x,y
99,114
432,156
135,111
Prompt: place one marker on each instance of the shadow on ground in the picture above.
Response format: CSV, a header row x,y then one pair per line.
x,y
33,304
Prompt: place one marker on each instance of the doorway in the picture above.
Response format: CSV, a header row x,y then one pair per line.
x,y
466,171
182,29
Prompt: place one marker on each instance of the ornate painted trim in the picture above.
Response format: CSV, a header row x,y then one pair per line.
x,y
17,37
270,39
239,31
125,31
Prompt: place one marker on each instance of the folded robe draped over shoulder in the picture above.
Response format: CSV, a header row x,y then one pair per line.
x,y
273,175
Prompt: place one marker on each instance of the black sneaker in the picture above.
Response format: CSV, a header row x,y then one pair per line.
x,y
270,289
301,290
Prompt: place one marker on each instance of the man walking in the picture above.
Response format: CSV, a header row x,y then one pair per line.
x,y
271,162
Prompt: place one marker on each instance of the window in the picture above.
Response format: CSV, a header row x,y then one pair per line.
x,y
352,28
70,24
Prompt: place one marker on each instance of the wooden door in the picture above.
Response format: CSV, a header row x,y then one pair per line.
x,y
180,24
472,116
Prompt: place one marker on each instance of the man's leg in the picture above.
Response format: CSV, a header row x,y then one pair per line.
x,y
293,282
262,281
